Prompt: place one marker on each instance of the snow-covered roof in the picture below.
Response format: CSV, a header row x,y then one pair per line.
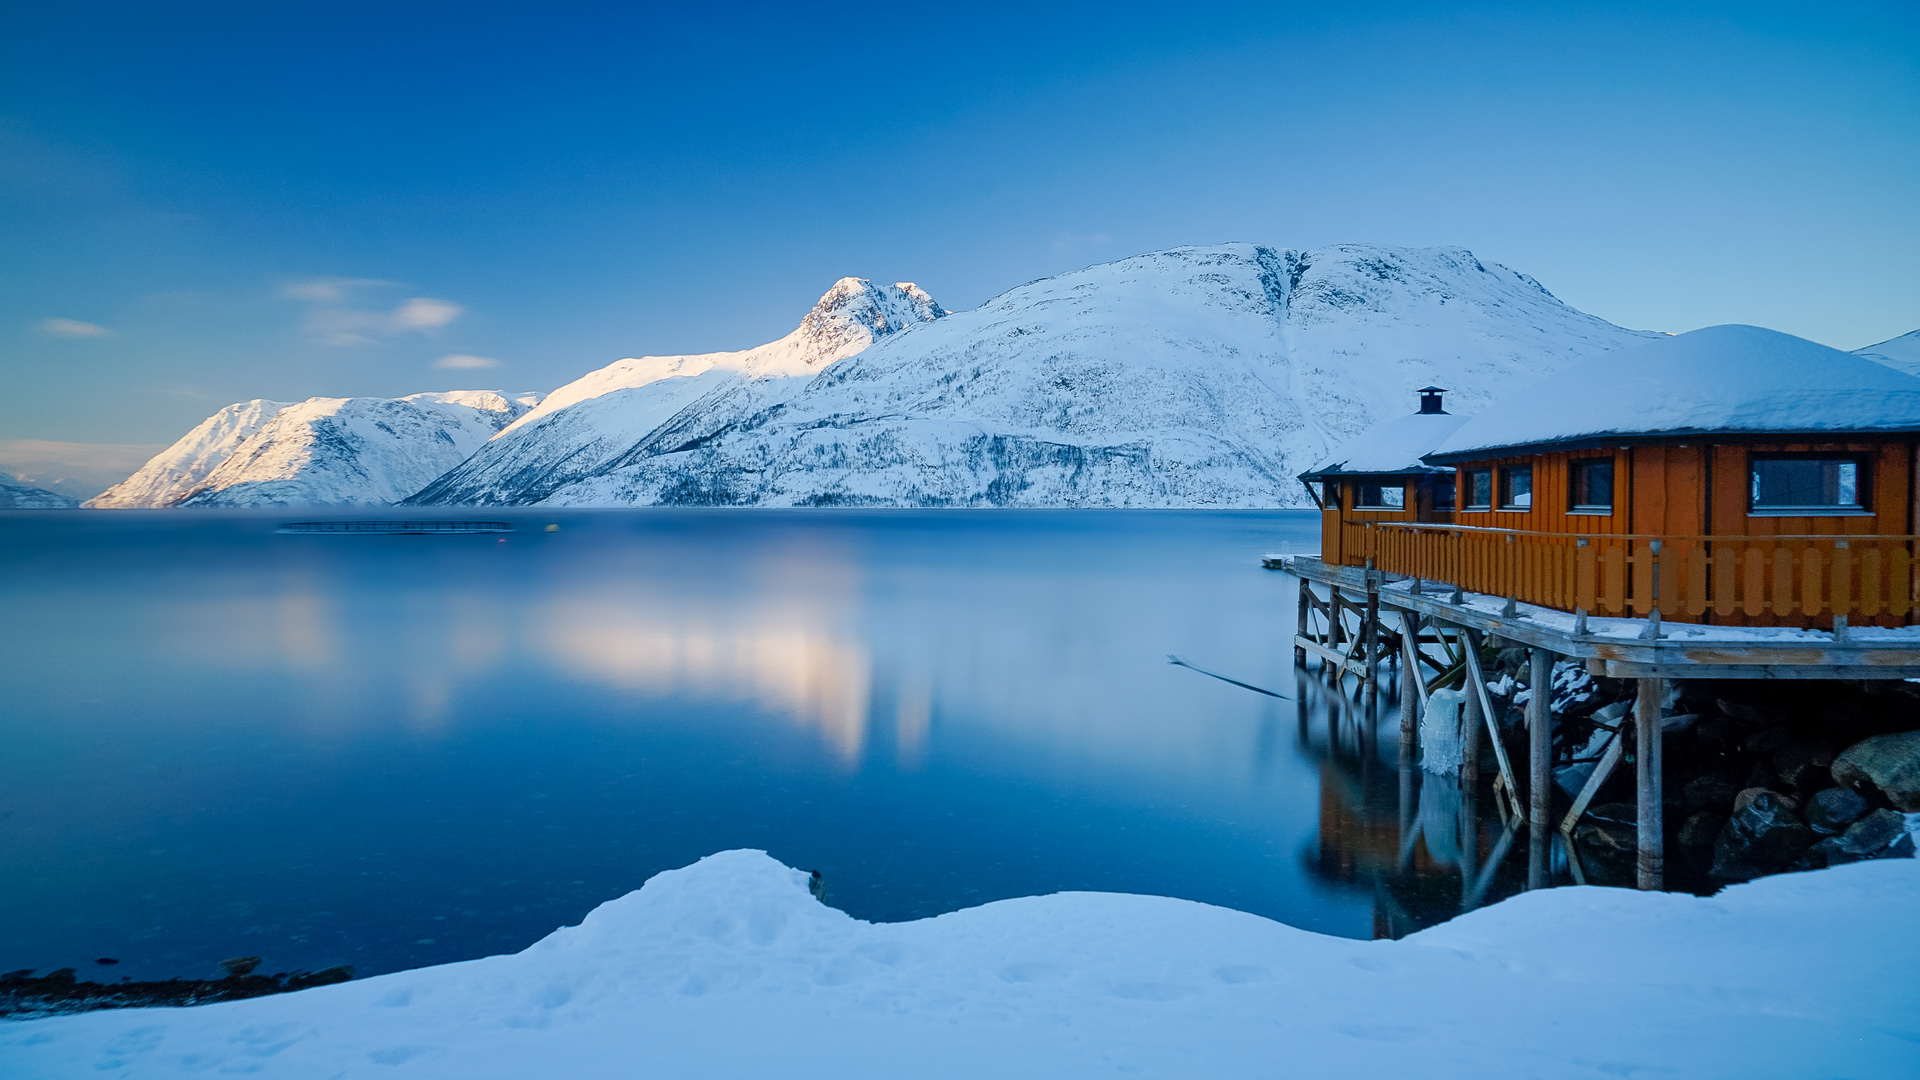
x,y
1393,446
1732,379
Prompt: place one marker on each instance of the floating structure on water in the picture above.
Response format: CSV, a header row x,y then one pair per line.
x,y
395,528
1733,503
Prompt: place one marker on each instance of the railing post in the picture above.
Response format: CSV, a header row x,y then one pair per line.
x,y
1653,601
1511,611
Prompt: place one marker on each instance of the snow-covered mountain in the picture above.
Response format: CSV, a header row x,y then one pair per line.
x,y
319,452
1901,353
587,424
1200,376
15,495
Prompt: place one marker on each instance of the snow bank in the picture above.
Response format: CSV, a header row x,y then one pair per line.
x,y
729,968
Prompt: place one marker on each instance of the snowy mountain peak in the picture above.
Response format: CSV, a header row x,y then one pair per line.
x,y
855,313
850,316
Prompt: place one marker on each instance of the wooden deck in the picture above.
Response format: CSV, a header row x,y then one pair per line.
x,y
1626,648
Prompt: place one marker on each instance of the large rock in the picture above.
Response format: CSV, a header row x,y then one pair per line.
x,y
1888,765
1880,835
1832,810
1763,837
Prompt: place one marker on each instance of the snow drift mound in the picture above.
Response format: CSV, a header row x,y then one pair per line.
x,y
319,452
591,421
1191,377
730,968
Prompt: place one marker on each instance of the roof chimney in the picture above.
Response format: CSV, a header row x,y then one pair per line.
x,y
1430,401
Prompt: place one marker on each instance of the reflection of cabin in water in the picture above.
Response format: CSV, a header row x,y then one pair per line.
x,y
1729,503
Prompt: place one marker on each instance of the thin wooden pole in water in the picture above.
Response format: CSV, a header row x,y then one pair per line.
x,y
1371,684
1300,622
1409,687
1336,633
1470,722
1540,764
1651,863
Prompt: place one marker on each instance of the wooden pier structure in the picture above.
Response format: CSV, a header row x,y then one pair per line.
x,y
1732,503
1357,621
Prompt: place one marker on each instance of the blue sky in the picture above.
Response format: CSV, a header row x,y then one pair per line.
x,y
295,199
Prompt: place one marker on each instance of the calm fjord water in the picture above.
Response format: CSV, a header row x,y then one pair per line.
x,y
217,740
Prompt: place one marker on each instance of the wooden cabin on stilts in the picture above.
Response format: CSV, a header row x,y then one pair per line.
x,y
1732,503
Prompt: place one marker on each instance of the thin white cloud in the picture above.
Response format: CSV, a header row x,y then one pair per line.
x,y
462,360
328,290
425,313
73,328
350,326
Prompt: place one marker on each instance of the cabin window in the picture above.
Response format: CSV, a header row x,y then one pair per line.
x,y
1330,495
1479,489
1443,493
1375,495
1592,486
1516,487
1808,485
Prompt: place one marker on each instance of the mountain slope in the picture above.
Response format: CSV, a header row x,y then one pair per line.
x,y
588,423
178,471
1204,376
1901,353
15,495
319,452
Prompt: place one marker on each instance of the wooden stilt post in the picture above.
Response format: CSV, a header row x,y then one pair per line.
x,y
1539,764
1371,683
1409,688
1300,622
1470,721
1336,634
1646,774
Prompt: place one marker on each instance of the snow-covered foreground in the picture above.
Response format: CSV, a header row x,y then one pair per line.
x,y
730,968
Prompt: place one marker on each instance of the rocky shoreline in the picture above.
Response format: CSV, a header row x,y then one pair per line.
x,y
1759,776
25,996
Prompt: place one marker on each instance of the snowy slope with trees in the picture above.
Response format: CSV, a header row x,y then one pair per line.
x,y
1192,377
319,452
584,426
729,968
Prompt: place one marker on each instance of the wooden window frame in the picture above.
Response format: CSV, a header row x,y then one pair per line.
x,y
1360,496
1504,493
1574,506
1863,485
1472,507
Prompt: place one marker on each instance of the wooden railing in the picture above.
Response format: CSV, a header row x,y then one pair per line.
x,y
1755,580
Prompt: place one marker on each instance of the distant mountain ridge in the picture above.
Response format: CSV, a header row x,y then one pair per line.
x,y
319,452
1901,353
1196,376
15,495
1201,376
